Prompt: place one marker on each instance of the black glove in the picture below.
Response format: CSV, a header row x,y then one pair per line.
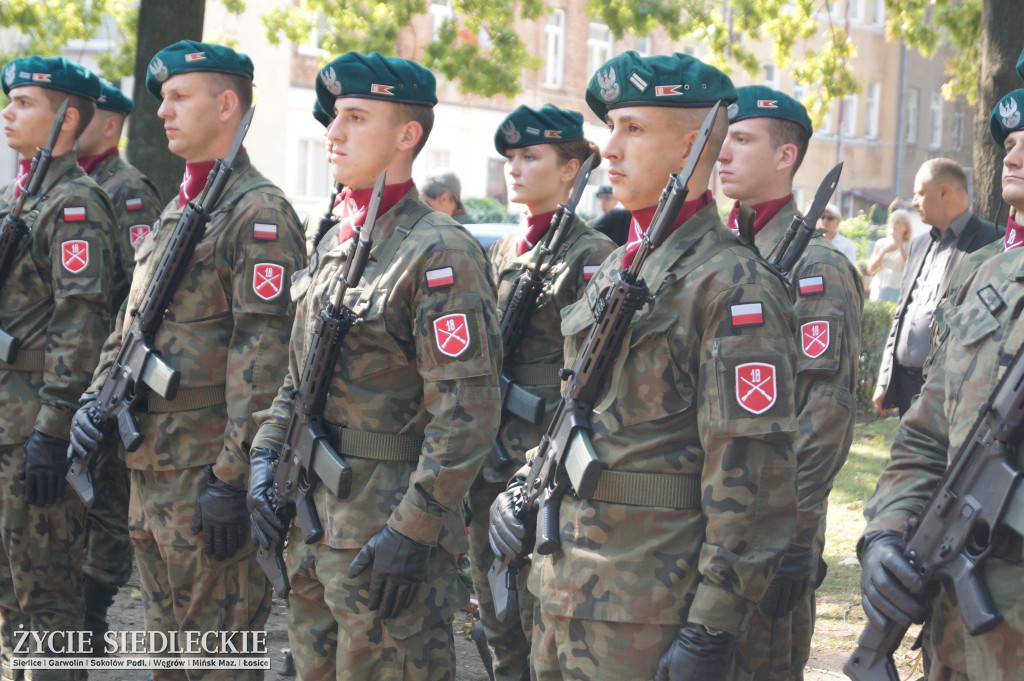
x,y
399,567
44,464
890,587
790,583
697,655
222,517
266,526
510,537
86,431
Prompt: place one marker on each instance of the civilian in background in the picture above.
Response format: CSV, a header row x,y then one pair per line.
x,y
614,224
829,221
443,192
889,257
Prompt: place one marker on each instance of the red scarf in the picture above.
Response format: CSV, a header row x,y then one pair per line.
x,y
24,165
763,213
193,181
642,220
354,204
1014,234
534,228
89,163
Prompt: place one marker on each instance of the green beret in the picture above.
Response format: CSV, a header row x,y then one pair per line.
x,y
680,80
113,99
1020,65
526,127
374,76
759,101
187,55
52,72
1007,117
322,117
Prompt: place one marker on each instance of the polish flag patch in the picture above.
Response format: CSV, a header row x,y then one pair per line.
x,y
41,77
378,89
442,276
451,332
264,230
133,204
747,314
137,233
267,280
755,386
75,255
667,90
767,104
814,338
195,56
811,286
74,214
589,271
553,134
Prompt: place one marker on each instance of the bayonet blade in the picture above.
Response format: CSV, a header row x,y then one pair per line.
x,y
698,146
57,123
823,195
582,177
236,143
371,210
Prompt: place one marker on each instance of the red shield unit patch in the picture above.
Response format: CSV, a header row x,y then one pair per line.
x,y
451,332
814,338
75,255
137,233
267,280
755,386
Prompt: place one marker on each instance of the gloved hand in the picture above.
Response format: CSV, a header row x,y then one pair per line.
x,y
697,655
790,583
44,463
86,431
890,587
399,567
510,537
222,518
266,526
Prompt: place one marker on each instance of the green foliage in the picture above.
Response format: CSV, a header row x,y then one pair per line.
x,y
858,230
46,26
878,215
485,209
875,323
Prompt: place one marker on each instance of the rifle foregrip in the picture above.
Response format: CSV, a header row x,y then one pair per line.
x,y
548,539
308,520
872,659
272,562
80,480
128,428
9,346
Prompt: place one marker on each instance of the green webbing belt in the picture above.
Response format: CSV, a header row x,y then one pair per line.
x,y
535,374
377,446
665,490
187,399
27,360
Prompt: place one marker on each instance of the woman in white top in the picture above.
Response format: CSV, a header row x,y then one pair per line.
x,y
889,258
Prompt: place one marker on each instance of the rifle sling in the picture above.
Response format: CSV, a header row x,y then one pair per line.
x,y
30,361
387,254
377,446
535,374
664,490
187,399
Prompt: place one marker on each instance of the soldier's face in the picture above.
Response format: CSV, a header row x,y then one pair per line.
x,y
27,119
536,178
645,147
1013,170
748,162
366,139
192,116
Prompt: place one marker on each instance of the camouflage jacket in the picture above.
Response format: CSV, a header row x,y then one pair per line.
x,y
538,358
225,330
674,407
421,367
828,297
136,204
55,301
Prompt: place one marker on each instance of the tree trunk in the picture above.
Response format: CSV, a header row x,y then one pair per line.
x,y
1002,28
161,23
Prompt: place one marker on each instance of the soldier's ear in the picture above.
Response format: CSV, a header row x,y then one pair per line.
x,y
410,136
228,105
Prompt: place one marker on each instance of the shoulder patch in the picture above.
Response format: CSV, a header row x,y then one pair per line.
x,y
74,255
137,233
811,286
814,338
747,314
440,277
133,204
76,214
755,386
451,333
264,230
589,271
991,299
267,280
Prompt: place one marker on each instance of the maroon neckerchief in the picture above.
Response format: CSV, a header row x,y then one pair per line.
x,y
193,181
763,213
642,220
89,163
534,228
1014,234
24,165
354,204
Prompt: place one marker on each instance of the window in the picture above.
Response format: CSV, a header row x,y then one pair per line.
x,y
855,8
643,46
314,46
850,115
496,180
911,113
871,125
437,158
690,50
935,139
439,11
878,13
958,130
599,46
554,51
799,92
771,76
826,123
312,178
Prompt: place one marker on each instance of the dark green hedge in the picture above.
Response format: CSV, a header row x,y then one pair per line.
x,y
875,324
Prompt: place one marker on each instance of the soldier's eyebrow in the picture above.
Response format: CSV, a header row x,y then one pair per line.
x,y
350,109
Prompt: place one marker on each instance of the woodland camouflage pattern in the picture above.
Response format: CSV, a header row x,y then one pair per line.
x,y
61,318
392,378
778,649
672,407
975,348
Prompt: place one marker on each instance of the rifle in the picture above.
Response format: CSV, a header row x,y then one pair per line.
x,y
138,367
13,228
565,455
327,221
306,455
799,233
976,501
518,310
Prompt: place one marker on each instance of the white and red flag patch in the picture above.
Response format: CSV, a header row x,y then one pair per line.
x,y
767,104
747,314
553,134
666,90
442,276
133,204
755,386
74,255
451,332
814,338
264,230
41,77
378,89
195,56
137,233
810,286
589,271
267,280
74,214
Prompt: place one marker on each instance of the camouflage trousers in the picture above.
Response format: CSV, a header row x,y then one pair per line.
x,y
510,640
183,589
108,548
40,573
334,635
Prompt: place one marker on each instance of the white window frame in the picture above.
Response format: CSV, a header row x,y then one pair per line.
x,y
312,161
912,115
878,13
771,76
935,135
599,48
873,108
439,11
312,48
850,116
554,50
958,130
645,46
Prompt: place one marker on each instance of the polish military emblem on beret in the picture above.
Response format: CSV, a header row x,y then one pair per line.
x,y
511,134
1009,113
158,69
330,81
9,74
609,85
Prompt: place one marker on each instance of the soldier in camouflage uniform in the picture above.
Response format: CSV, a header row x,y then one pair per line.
x,y
539,174
413,403
983,330
226,331
659,573
55,300
768,136
108,548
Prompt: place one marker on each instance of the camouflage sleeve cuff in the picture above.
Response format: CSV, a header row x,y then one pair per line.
x,y
415,523
230,470
892,520
53,421
718,608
